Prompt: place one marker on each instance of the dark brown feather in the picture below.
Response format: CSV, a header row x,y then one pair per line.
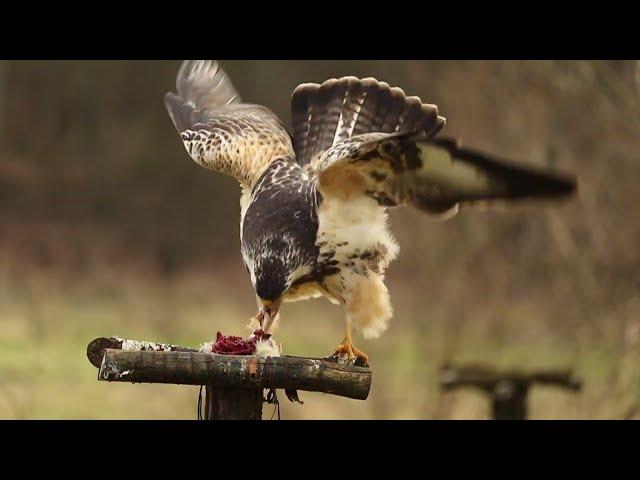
x,y
331,112
519,181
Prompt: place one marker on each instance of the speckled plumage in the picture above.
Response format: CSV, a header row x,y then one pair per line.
x,y
314,203
281,218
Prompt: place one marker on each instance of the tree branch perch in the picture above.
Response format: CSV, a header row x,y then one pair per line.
x,y
162,363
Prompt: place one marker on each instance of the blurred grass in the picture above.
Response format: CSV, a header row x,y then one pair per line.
x,y
45,373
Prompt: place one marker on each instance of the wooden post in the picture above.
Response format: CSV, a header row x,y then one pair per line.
x,y
234,383
508,389
509,400
233,404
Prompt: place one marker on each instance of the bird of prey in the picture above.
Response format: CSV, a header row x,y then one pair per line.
x,y
315,197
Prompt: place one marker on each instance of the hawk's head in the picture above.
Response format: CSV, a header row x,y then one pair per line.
x,y
273,277
275,262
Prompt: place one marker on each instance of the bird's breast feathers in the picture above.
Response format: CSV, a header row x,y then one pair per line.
x,y
326,235
354,234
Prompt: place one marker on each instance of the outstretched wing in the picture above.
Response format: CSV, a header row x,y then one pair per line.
x,y
219,131
432,175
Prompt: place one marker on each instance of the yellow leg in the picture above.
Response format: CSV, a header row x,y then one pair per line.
x,y
347,347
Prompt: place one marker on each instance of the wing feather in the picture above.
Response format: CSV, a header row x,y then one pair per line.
x,y
218,130
431,175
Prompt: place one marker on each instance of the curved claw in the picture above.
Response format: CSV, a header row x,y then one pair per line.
x,y
353,354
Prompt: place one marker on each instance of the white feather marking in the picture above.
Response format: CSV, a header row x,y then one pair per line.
x,y
355,224
438,166
337,137
356,114
267,348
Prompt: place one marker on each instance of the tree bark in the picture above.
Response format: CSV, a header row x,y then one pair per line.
x,y
97,347
235,372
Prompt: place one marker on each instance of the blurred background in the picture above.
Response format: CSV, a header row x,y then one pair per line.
x,y
107,227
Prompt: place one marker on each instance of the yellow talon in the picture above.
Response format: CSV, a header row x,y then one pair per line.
x,y
347,347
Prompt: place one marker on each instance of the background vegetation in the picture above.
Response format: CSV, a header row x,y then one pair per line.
x,y
107,227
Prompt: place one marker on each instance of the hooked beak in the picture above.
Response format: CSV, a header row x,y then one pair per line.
x,y
269,311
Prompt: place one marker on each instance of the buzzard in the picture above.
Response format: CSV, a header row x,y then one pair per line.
x,y
315,197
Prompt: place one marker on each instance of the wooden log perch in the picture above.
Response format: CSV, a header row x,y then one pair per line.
x,y
183,366
96,349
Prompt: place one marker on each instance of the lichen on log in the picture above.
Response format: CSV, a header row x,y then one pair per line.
x,y
96,349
